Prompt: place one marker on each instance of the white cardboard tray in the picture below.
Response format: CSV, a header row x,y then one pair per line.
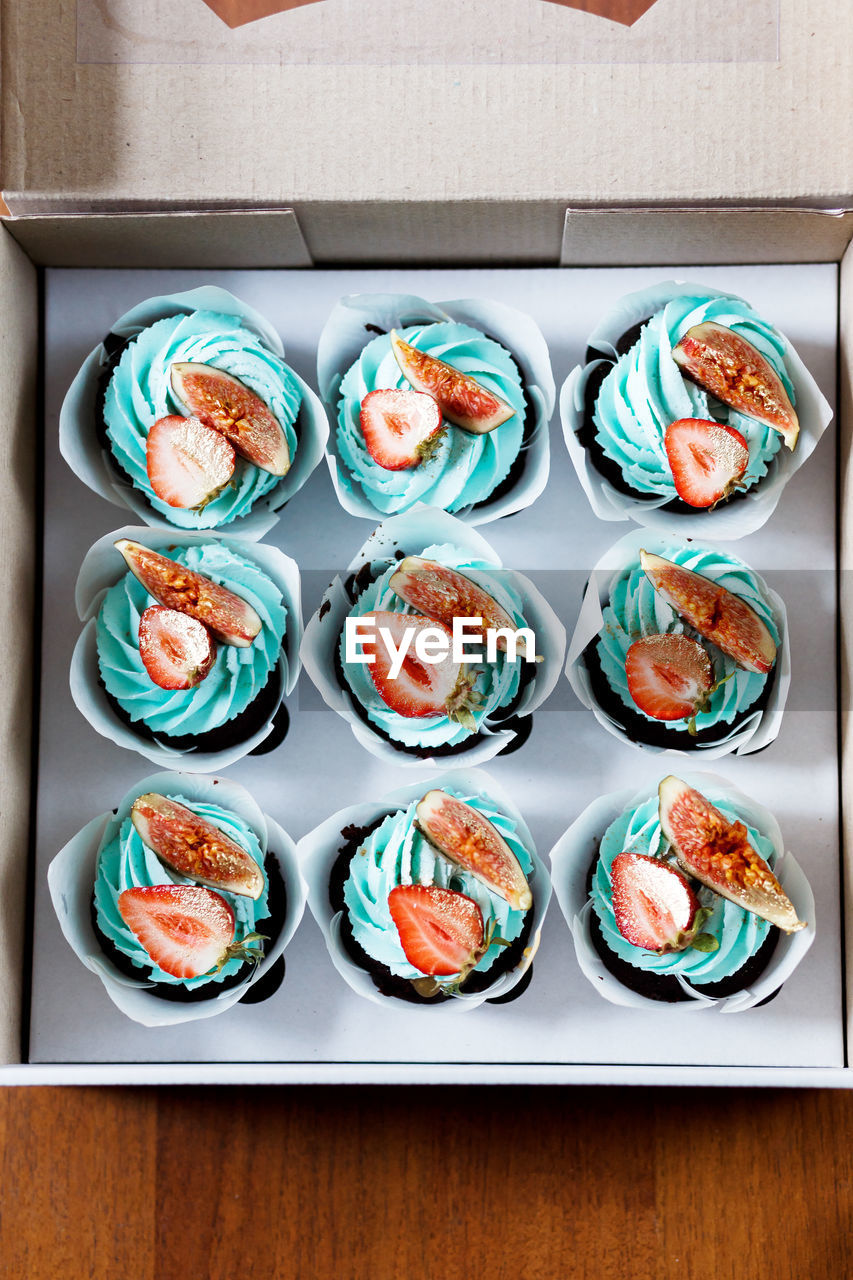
x,y
314,1028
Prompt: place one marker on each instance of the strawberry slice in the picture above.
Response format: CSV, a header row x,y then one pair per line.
x,y
231,618
707,460
419,688
188,463
654,906
178,652
441,931
401,428
194,847
185,930
669,676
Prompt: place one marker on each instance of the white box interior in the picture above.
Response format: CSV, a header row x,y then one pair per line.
x,y
314,1019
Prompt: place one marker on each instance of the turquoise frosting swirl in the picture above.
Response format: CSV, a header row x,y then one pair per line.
x,y
140,392
645,391
637,610
465,468
739,932
496,682
125,862
237,675
396,853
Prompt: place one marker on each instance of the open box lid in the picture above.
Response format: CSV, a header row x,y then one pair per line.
x,y
317,104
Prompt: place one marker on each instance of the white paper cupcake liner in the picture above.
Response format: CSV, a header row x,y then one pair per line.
x,y
756,731
730,520
82,451
319,849
71,879
344,337
102,567
570,862
410,533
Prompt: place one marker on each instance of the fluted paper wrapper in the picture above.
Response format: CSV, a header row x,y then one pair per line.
x,y
102,567
755,732
319,849
81,449
410,533
345,336
570,862
71,879
730,520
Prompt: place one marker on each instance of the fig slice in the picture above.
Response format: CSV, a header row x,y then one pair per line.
x,y
443,594
717,852
223,402
463,835
732,369
231,618
194,847
461,399
715,612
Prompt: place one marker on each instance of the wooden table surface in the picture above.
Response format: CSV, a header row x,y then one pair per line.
x,y
384,1184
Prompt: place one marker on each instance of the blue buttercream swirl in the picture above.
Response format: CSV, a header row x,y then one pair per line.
x,y
636,610
496,682
140,392
238,674
645,391
396,853
740,933
125,862
465,468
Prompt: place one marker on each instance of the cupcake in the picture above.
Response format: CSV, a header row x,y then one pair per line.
x,y
181,900
681,647
188,415
434,895
189,646
419,572
446,404
691,407
689,898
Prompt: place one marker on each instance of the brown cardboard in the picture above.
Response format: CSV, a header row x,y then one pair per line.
x,y
19,343
264,238
845,415
277,135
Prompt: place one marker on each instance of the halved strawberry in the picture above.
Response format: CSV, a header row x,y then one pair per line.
x,y
669,676
441,931
188,463
654,906
185,930
707,460
441,688
177,650
401,428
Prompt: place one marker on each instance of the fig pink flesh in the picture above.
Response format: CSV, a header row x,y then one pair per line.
x,y
466,837
221,401
462,400
194,847
231,619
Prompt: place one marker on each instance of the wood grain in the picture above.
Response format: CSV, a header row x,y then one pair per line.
x,y
506,1184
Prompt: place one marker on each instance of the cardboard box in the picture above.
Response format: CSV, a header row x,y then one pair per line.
x,y
135,163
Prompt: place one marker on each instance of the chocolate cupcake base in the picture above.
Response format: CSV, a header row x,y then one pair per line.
x,y
390,984
264,707
271,928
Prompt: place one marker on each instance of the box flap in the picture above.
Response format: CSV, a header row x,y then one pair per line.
x,y
520,123
19,340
